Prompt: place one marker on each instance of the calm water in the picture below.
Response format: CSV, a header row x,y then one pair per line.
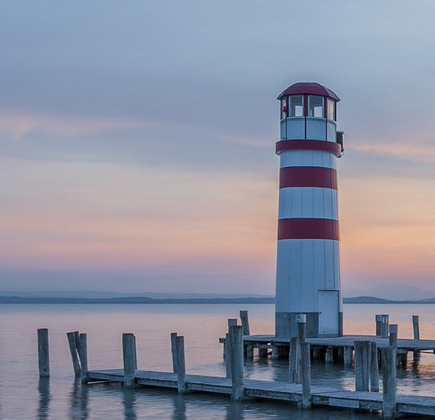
x,y
24,396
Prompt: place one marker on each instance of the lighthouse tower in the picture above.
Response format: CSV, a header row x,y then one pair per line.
x,y
308,271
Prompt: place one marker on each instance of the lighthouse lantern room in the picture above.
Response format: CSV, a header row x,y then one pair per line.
x,y
308,271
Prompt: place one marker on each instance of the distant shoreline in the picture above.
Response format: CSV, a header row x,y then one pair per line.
x,y
151,301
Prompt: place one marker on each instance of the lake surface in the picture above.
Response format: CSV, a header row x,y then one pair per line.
x,y
24,396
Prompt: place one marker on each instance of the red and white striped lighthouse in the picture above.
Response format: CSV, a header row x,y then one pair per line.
x,y
308,271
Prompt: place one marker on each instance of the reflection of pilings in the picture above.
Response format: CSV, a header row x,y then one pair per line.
x,y
129,401
179,408
234,411
44,398
79,401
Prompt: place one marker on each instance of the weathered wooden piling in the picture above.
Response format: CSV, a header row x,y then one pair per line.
x,y
174,351
295,361
389,382
305,362
245,322
384,325
329,355
416,327
392,340
129,356
347,356
43,353
378,319
181,365
83,354
236,356
227,355
374,367
362,365
73,348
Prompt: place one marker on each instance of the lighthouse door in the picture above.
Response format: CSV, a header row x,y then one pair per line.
x,y
328,312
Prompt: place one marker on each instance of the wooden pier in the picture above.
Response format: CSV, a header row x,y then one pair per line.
x,y
370,354
268,390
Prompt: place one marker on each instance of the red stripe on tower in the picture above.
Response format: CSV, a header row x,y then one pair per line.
x,y
308,176
307,228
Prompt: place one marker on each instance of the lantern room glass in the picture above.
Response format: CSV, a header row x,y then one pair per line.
x,y
315,106
331,110
296,106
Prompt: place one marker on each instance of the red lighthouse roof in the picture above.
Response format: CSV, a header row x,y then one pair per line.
x,y
309,88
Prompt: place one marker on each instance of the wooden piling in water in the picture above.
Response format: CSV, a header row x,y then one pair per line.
x,y
389,382
374,367
378,319
392,340
181,365
174,351
384,325
231,322
83,354
416,327
129,356
73,346
43,353
245,322
362,365
236,356
295,361
306,375
347,356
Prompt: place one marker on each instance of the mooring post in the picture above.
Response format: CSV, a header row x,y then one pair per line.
x,y
83,352
129,354
236,356
394,329
174,351
362,365
231,322
389,382
295,361
384,326
347,356
181,365
378,319
245,322
374,367
301,320
416,327
74,353
43,353
329,354
306,375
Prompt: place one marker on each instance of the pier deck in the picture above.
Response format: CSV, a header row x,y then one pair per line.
x,y
282,391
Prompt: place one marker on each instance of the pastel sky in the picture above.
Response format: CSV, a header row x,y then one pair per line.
x,y
137,140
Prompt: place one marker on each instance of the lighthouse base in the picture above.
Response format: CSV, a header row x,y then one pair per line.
x,y
286,325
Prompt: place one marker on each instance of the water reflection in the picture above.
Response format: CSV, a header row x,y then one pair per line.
x,y
79,397
129,400
44,398
179,408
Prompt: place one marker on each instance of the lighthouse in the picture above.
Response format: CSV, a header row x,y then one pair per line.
x,y
308,269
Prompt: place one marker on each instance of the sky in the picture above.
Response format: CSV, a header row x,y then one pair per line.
x,y
137,140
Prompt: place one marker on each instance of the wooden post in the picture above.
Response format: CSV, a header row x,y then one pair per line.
x,y
295,361
329,355
393,335
74,353
43,353
389,382
83,346
245,322
129,352
378,325
374,367
362,365
301,321
236,356
174,351
306,375
416,327
347,356
181,365
231,322
384,326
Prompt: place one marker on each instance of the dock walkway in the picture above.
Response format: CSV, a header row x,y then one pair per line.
x,y
282,391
